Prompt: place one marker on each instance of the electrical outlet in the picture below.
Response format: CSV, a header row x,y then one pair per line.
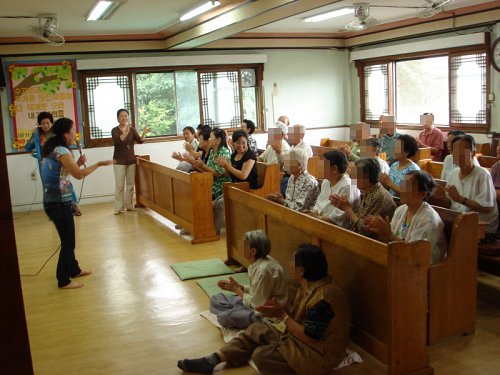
x,y
33,176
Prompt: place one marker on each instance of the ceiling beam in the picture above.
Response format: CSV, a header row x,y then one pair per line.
x,y
458,22
244,18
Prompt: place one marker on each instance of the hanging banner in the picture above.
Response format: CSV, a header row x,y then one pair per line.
x,y
39,87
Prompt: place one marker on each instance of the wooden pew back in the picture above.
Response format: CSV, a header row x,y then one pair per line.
x,y
487,161
321,150
268,179
434,168
184,198
327,142
422,153
453,282
386,284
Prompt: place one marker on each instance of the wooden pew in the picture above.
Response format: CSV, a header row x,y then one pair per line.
x,y
422,153
327,142
321,150
315,167
434,168
487,161
184,198
453,282
386,284
268,179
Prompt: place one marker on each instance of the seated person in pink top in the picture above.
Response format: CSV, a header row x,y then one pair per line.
x,y
431,136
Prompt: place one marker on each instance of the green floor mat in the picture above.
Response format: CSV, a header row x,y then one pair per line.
x,y
200,268
209,284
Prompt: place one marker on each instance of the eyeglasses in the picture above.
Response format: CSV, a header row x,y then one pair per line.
x,y
240,144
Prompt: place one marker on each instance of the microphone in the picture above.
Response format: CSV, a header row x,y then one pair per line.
x,y
80,150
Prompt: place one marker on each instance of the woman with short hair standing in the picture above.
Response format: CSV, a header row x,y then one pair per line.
x,y
124,136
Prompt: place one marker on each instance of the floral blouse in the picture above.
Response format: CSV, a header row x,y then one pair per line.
x,y
218,181
301,194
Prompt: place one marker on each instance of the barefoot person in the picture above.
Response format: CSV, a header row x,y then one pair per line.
x,y
57,165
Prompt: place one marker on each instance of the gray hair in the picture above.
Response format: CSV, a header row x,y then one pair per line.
x,y
299,155
258,240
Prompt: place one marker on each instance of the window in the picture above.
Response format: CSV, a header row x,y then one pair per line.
x,y
452,85
103,93
422,86
167,101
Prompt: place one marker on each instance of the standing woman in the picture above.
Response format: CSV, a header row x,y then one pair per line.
x,y
40,135
124,136
57,165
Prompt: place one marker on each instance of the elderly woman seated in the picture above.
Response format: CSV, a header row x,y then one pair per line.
x,y
376,200
266,281
415,219
406,147
336,181
469,187
302,188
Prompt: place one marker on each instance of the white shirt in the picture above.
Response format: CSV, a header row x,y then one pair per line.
x,y
342,187
477,186
269,156
448,166
384,167
266,281
305,147
426,224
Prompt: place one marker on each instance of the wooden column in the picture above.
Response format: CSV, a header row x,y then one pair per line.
x,y
15,355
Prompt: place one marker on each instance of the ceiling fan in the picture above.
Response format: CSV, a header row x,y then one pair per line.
x,y
46,30
363,20
433,7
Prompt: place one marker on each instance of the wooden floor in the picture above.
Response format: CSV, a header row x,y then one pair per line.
x,y
134,316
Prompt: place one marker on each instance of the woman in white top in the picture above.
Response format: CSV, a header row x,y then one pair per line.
x,y
415,219
470,188
266,281
448,164
336,181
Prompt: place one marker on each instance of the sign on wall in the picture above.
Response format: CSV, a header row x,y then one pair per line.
x,y
39,87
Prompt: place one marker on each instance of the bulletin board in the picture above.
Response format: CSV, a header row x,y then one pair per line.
x,y
39,87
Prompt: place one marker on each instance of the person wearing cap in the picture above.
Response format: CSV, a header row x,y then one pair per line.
x,y
388,136
277,147
431,136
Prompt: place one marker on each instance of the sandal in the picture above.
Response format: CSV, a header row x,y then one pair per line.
x,y
76,210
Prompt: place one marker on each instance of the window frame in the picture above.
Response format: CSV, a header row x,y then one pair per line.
x,y
130,72
393,59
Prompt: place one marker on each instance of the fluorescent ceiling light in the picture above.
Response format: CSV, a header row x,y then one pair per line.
x,y
201,9
328,15
103,10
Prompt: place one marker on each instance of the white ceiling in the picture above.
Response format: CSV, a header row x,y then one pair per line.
x,y
160,17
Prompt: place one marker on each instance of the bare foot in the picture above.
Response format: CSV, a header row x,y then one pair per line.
x,y
84,273
72,285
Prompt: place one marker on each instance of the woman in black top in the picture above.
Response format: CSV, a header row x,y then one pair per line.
x,y
242,167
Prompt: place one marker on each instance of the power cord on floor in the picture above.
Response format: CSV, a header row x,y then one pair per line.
x,y
43,265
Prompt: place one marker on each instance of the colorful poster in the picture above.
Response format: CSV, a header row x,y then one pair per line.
x,y
38,87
